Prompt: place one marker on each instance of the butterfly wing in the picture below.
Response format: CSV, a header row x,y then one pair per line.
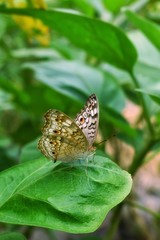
x,y
88,119
62,139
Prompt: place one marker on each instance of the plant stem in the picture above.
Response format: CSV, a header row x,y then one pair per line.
x,y
148,210
139,158
109,235
142,100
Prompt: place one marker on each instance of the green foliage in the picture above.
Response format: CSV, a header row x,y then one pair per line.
x,y
151,30
89,34
12,236
115,6
85,55
63,197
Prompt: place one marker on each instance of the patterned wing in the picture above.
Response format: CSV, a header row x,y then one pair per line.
x,y
88,119
62,139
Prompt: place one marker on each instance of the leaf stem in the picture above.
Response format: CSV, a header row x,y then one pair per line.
x,y
143,103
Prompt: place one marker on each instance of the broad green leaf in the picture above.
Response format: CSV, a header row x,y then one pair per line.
x,y
36,53
21,176
4,140
148,78
144,49
154,151
117,120
12,236
150,29
73,197
30,151
74,79
3,25
84,6
115,6
100,39
5,101
147,75
154,94
136,141
122,77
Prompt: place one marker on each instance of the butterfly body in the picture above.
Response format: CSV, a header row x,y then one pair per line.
x,y
65,139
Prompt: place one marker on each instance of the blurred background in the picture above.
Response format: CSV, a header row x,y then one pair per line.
x,y
42,69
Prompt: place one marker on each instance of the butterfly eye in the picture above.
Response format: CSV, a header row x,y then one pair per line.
x,y
81,120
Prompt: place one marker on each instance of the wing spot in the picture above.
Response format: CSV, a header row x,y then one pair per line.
x,y
56,131
81,119
90,107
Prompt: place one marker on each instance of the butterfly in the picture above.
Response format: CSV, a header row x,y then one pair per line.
x,y
67,140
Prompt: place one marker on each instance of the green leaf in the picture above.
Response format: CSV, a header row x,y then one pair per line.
x,y
117,120
30,151
73,197
12,236
100,39
150,29
148,78
5,101
144,49
147,75
154,151
115,6
21,176
136,141
35,53
74,79
154,94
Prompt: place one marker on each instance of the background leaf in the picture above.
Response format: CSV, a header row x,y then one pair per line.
x,y
12,236
115,6
78,80
56,59
89,34
150,29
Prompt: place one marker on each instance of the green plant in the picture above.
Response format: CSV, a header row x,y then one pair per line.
x,y
85,56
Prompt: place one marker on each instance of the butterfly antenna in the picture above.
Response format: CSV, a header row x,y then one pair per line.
x,y
105,140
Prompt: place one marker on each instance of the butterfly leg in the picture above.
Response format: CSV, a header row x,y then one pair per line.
x,y
86,170
91,157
